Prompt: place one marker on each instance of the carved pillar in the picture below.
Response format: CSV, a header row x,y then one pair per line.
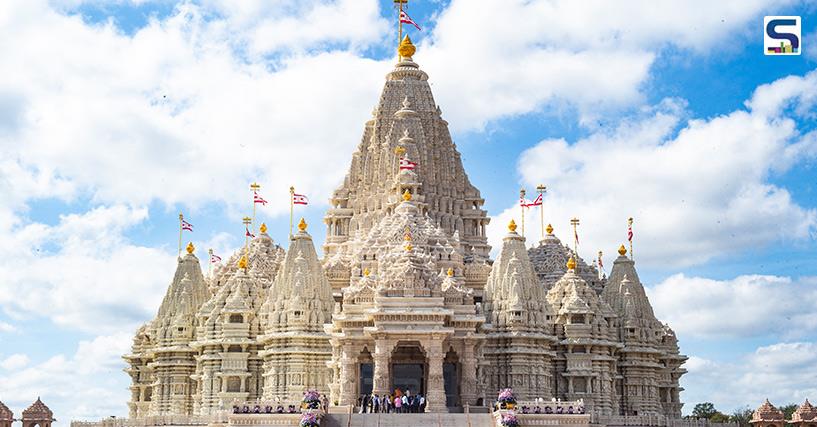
x,y
468,387
436,386
381,366
348,375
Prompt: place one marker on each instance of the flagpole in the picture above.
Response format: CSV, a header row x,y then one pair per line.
x,y
254,187
601,268
247,221
291,209
181,218
630,227
399,23
542,189
522,206
210,262
575,223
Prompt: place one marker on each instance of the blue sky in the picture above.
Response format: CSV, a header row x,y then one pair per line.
x,y
115,116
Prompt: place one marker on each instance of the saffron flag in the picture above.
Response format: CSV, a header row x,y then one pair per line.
x,y
215,258
299,199
404,18
248,234
258,199
406,164
186,225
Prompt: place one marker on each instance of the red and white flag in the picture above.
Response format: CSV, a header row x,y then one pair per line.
x,y
214,258
186,225
404,18
258,199
630,232
247,233
406,164
576,235
527,203
601,266
299,199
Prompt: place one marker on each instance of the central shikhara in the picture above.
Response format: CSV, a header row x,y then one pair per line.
x,y
406,297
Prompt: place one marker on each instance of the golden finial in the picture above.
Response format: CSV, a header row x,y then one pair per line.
x,y
571,264
408,247
242,262
450,272
366,272
406,195
406,48
190,248
263,227
549,229
302,225
399,150
622,250
512,226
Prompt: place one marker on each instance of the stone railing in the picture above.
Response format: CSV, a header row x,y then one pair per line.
x,y
159,420
655,421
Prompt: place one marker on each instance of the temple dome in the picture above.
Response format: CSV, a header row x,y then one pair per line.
x,y
38,411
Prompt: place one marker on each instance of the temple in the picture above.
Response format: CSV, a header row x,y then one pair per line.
x,y
405,298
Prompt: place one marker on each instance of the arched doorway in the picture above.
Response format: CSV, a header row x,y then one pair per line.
x,y
409,368
366,372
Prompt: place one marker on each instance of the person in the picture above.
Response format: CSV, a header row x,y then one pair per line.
x,y
405,402
325,401
422,403
398,404
376,404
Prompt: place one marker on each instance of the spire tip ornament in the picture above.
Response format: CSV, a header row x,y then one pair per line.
x,y
450,272
512,226
571,264
406,195
302,225
263,227
242,262
190,248
406,48
549,229
622,250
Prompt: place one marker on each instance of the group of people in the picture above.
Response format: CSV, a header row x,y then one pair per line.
x,y
397,402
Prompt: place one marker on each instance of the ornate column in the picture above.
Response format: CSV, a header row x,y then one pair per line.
x,y
468,387
435,395
348,375
381,366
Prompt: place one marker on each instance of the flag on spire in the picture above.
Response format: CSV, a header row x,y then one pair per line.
x,y
258,199
214,258
247,232
406,164
405,19
630,230
186,225
525,203
299,199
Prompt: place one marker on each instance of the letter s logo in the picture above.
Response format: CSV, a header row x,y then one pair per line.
x,y
782,35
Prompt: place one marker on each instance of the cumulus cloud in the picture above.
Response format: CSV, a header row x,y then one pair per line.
x,y
696,193
758,306
84,270
14,362
782,372
7,327
86,385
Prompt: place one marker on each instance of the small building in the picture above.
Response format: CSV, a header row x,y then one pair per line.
x,y
38,415
804,416
6,416
767,415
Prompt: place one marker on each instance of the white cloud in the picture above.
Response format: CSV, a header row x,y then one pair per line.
x,y
14,362
758,307
7,327
83,270
698,193
590,55
782,372
87,385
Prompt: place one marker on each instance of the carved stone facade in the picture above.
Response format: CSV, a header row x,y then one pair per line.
x,y
405,298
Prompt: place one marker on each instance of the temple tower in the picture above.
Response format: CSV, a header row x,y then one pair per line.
x,y
407,125
518,351
295,347
585,367
767,415
549,258
649,362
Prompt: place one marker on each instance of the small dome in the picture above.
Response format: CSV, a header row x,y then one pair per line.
x,y
767,412
5,413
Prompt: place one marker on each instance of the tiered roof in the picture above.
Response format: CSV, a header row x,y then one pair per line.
x,y
38,411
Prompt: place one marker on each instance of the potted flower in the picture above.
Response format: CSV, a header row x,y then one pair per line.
x,y
510,420
506,399
312,399
310,419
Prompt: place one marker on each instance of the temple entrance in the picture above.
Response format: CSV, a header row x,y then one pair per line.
x,y
408,369
451,379
366,372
